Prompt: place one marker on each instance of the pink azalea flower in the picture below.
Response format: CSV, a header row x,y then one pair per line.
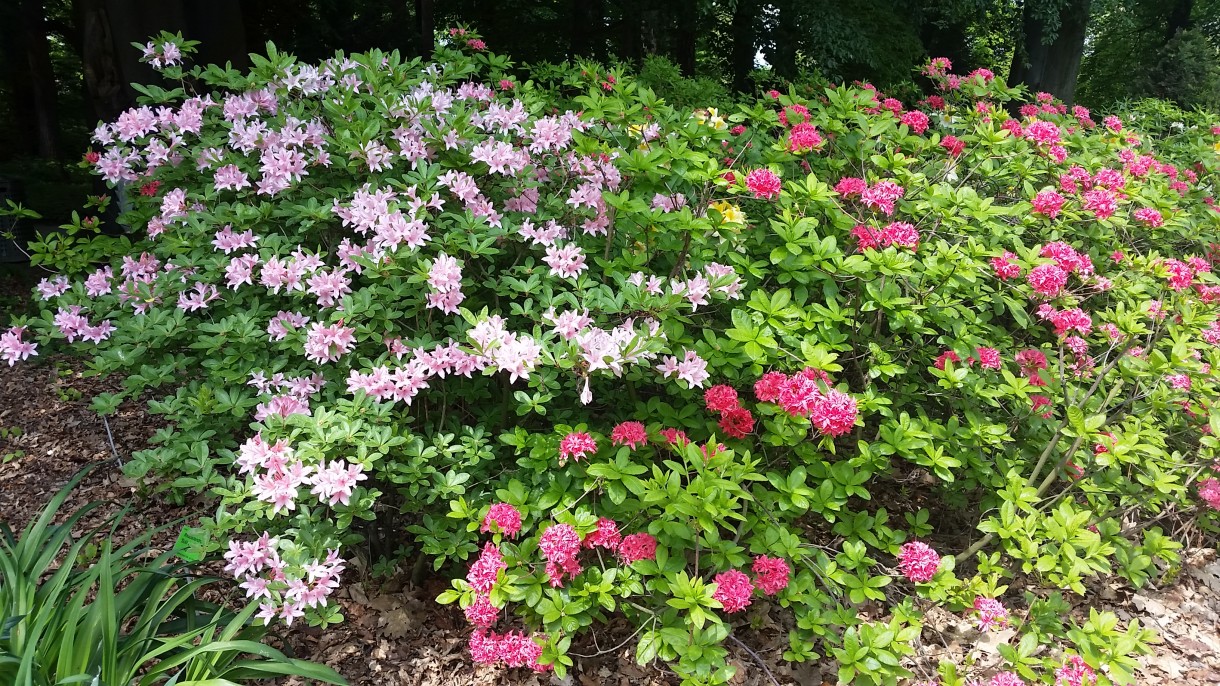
x,y
992,614
918,562
576,445
504,517
763,183
733,589
641,546
770,574
629,434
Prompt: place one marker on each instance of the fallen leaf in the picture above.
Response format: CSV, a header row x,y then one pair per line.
x,y
396,623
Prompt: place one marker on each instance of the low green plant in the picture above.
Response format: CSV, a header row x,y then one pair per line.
x,y
123,617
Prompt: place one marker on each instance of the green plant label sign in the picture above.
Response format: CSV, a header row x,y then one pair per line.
x,y
190,544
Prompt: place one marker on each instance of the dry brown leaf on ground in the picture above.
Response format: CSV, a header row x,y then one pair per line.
x,y
396,623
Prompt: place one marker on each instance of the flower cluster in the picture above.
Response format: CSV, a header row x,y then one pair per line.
x,y
1209,492
770,574
576,445
992,613
1004,266
13,348
637,546
733,590
734,587
803,138
163,54
735,420
559,545
512,649
763,183
278,475
1048,203
882,196
504,518
282,589
1075,672
901,234
485,570
1065,321
831,411
630,434
606,535
691,368
1006,679
988,358
918,562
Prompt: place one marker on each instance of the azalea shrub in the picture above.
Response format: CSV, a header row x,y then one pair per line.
x,y
840,357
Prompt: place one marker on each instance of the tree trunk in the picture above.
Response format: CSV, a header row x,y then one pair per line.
x,y
948,39
34,85
103,77
785,39
650,28
588,29
17,83
425,24
578,31
221,31
631,47
218,26
1051,66
744,33
687,36
1179,18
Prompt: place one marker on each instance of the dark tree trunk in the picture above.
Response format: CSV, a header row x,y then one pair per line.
x,y
1179,18
103,77
425,24
948,40
650,29
744,33
686,38
630,45
579,42
17,81
251,13
32,80
217,25
785,38
1051,66
588,29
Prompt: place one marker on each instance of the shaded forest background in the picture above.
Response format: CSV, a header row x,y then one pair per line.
x,y
66,64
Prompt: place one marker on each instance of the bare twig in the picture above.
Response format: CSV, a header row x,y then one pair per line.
x,y
757,658
616,648
110,438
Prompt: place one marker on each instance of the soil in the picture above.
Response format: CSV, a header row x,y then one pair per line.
x,y
394,634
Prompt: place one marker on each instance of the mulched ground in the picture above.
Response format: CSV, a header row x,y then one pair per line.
x,y
394,633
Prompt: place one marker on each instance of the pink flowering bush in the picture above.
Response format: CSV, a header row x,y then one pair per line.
x,y
590,355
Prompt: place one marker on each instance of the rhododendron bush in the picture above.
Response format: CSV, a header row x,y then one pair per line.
x,y
594,356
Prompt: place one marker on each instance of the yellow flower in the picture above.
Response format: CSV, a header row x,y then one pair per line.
x,y
712,118
637,131
731,213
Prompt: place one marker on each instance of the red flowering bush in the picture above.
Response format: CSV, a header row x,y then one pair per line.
x,y
601,356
